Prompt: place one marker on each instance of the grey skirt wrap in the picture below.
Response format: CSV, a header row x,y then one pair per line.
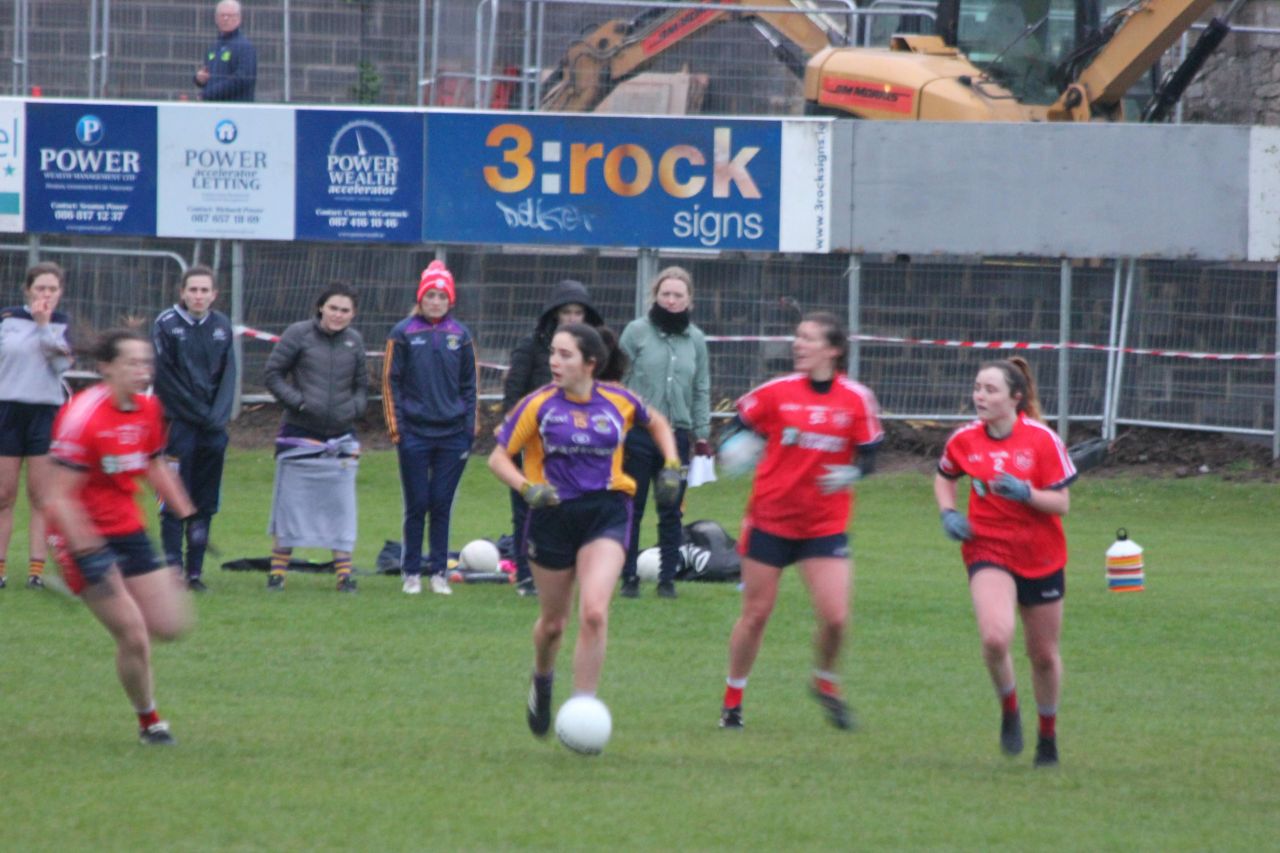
x,y
313,502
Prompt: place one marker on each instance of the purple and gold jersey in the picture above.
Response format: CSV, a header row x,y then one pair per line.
x,y
575,446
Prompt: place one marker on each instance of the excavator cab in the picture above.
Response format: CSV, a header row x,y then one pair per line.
x,y
1020,44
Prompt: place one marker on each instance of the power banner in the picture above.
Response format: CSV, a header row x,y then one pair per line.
x,y
360,176
90,169
620,181
225,172
408,176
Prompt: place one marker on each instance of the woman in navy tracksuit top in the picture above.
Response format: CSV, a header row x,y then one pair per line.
x,y
429,401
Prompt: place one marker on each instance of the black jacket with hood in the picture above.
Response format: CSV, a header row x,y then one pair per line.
x,y
530,367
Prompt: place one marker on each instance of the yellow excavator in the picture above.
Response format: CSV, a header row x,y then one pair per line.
x,y
976,60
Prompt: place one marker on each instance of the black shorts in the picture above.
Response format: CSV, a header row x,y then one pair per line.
x,y
554,534
780,552
134,557
26,429
1031,591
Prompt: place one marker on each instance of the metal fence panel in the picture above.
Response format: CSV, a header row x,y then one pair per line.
x,y
1210,308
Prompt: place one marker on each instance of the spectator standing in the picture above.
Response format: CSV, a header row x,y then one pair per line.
x,y
530,369
196,382
318,373
34,353
671,373
230,68
429,402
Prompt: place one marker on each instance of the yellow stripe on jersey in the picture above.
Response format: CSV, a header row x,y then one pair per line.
x,y
388,400
618,480
525,437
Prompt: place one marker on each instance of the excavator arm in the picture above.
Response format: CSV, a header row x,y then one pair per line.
x,y
598,61
1123,50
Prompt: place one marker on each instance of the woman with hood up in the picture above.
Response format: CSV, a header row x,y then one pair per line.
x,y
530,369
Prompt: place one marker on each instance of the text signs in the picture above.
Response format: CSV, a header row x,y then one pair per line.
x,y
360,175
91,168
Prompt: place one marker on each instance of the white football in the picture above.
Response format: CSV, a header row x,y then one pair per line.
x,y
740,453
649,564
479,555
584,725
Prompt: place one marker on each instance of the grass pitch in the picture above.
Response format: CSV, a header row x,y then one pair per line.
x,y
310,720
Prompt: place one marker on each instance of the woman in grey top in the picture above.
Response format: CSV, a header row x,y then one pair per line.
x,y
34,354
670,372
318,373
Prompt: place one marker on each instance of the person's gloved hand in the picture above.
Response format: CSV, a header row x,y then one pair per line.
x,y
667,490
1009,486
197,531
539,495
956,526
702,447
838,478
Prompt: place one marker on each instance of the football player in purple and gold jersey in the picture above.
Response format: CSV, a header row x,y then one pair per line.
x,y
571,433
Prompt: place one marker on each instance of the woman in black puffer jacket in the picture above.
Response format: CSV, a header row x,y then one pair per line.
x,y
318,373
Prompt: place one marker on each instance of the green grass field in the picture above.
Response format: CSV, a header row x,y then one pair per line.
x,y
379,721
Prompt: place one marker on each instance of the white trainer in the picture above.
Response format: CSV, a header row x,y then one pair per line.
x,y
412,584
440,585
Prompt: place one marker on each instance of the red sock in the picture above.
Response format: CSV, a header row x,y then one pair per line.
x,y
148,718
826,686
1009,702
1048,725
733,697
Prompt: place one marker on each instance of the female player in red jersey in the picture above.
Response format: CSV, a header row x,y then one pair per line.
x,y
104,439
1013,544
821,430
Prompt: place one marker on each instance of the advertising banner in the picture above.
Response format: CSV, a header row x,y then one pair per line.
x,y
225,172
91,168
603,181
12,145
360,175
804,224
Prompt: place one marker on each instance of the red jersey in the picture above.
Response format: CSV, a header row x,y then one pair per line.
x,y
115,447
1010,534
805,431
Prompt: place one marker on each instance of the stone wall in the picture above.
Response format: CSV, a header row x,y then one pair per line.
x,y
1240,84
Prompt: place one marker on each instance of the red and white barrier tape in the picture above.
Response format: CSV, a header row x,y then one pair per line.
x,y
1016,345
931,342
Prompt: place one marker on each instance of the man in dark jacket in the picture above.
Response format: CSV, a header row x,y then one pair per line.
x,y
196,382
230,68
530,369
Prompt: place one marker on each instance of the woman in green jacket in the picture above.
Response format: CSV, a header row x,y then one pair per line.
x,y
670,372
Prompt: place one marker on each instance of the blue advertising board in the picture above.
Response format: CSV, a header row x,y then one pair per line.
x,y
603,181
91,168
359,175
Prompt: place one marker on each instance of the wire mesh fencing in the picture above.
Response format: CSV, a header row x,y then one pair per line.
x,y
1216,309
1198,349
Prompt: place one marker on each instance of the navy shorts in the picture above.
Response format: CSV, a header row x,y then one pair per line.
x,y
554,534
133,552
26,429
780,552
1031,591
